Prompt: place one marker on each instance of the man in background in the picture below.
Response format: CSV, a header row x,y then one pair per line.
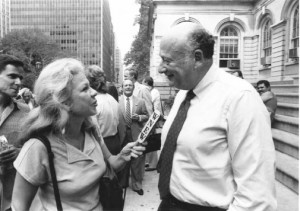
x,y
27,97
12,113
134,115
151,157
140,90
268,97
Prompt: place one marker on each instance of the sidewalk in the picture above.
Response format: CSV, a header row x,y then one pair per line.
x,y
150,200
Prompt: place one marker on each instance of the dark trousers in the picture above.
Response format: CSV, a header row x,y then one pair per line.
x,y
173,204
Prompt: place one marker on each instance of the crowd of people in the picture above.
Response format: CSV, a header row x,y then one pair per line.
x,y
218,151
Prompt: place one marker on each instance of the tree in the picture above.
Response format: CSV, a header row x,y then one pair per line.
x,y
139,55
32,46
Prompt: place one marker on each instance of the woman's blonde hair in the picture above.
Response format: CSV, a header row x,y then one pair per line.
x,y
53,90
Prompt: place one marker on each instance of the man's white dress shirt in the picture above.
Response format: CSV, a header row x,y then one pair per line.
x,y
156,99
225,155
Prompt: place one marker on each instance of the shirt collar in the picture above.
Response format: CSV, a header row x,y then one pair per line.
x,y
210,76
75,155
130,98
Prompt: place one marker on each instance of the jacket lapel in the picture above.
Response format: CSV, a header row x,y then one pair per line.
x,y
134,104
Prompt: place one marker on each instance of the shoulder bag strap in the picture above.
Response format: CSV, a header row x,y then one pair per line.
x,y
46,142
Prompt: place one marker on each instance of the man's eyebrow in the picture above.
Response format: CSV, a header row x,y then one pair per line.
x,y
15,75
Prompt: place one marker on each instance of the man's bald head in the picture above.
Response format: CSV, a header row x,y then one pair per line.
x,y
190,36
186,52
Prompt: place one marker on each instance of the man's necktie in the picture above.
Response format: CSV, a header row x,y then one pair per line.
x,y
128,114
167,154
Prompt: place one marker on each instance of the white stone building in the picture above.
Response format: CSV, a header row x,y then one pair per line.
x,y
259,37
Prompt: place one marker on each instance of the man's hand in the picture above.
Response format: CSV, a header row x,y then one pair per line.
x,y
9,155
135,117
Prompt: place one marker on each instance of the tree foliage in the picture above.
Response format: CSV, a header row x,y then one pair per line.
x,y
139,55
31,46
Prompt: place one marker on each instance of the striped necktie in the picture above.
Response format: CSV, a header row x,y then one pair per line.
x,y
128,113
167,154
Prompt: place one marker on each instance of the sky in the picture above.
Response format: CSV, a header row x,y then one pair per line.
x,y
123,13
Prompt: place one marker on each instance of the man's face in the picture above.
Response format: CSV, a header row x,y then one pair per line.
x,y
127,75
27,96
10,80
177,64
262,88
128,88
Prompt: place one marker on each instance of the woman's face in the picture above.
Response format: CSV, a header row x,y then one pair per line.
x,y
83,102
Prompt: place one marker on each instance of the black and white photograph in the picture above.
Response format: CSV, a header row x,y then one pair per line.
x,y
149,105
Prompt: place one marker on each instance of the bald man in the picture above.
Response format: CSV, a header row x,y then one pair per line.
x,y
218,151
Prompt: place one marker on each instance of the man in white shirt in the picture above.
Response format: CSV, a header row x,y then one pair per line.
x,y
151,157
224,157
155,95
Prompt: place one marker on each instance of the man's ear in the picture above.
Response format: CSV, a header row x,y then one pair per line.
x,y
198,54
199,59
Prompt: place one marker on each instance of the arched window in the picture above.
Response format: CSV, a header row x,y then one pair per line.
x,y
186,19
295,29
229,47
267,39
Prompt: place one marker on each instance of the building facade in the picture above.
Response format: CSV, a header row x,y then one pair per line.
x,y
4,17
118,66
108,42
259,37
82,27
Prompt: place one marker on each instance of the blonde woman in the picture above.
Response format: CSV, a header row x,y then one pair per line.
x,y
65,103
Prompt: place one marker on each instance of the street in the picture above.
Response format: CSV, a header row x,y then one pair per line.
x,y
150,200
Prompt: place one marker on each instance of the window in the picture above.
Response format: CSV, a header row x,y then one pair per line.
x,y
229,45
267,39
295,29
